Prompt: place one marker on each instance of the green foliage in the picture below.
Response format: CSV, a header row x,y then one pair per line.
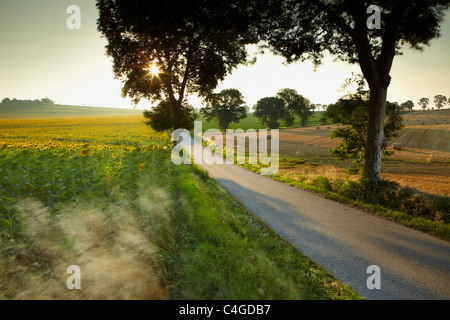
x,y
440,101
226,107
213,248
195,44
322,183
407,106
427,212
295,105
304,30
14,101
269,111
424,103
161,117
227,253
352,111
390,195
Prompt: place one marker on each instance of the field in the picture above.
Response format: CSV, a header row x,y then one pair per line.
x,y
104,195
422,162
10,111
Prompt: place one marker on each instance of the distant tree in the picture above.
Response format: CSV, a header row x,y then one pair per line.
x,y
423,103
323,121
226,107
408,105
160,118
440,101
269,111
47,101
294,105
163,50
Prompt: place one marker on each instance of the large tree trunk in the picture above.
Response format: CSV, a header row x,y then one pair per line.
x,y
376,141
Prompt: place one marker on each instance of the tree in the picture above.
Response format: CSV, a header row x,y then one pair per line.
x,y
294,105
408,105
440,101
47,101
163,50
160,118
304,29
353,112
269,111
424,103
226,107
6,100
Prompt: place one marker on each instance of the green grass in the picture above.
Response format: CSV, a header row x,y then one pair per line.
x,y
224,252
252,122
179,230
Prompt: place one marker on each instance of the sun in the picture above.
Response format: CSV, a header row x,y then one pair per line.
x,y
153,70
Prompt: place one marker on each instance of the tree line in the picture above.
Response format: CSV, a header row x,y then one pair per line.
x,y
228,106
43,101
439,101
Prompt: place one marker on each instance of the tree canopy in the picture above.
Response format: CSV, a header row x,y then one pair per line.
x,y
160,117
43,101
352,112
440,101
163,50
269,111
226,107
408,105
423,103
295,105
306,29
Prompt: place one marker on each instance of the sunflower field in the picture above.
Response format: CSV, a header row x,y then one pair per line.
x,y
102,195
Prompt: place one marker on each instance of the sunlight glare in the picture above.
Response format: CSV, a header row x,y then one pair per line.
x,y
153,70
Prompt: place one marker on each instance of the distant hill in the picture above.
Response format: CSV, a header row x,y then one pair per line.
x,y
9,111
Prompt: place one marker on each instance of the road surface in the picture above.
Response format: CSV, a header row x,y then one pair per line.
x,y
343,240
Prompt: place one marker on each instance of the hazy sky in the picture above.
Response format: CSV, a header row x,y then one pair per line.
x,y
40,57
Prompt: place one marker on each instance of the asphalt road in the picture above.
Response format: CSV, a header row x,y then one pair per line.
x,y
343,240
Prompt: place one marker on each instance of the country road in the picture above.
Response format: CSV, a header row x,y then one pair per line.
x,y
343,240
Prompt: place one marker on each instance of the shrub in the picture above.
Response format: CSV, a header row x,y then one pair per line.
x,y
322,183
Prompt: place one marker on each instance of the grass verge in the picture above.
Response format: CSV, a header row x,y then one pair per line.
x,y
139,227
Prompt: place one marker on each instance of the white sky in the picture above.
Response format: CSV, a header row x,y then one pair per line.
x,y
40,57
